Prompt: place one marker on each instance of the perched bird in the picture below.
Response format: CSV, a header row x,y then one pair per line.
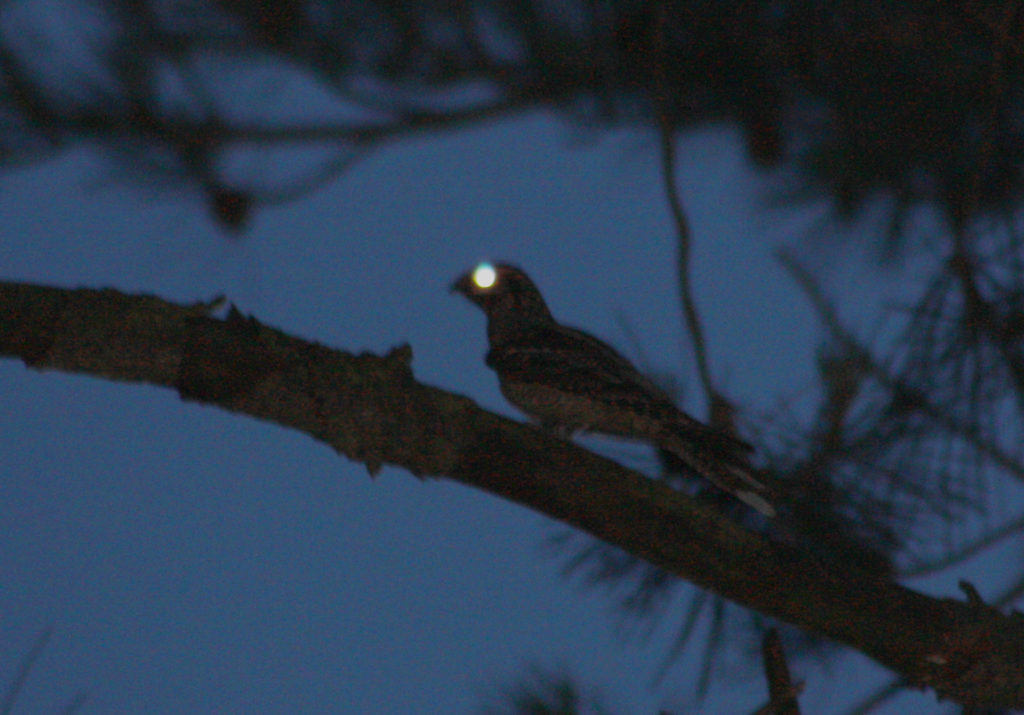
x,y
571,381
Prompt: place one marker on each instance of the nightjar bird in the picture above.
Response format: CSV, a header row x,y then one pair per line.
x,y
571,381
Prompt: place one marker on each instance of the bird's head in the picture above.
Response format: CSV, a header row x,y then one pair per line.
x,y
503,292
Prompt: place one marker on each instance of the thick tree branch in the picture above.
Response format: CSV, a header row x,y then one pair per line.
x,y
372,410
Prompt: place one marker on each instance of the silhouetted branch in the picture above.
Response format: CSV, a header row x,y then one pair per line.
x,y
372,410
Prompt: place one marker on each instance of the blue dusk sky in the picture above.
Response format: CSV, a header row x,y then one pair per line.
x,y
195,561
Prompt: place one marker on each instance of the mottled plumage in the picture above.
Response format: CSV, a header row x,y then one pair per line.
x,y
571,381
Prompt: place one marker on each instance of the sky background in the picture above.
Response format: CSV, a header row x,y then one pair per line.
x,y
191,560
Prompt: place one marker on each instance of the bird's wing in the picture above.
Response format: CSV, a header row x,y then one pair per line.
x,y
576,363
573,362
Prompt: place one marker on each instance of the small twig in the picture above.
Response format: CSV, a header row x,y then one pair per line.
x,y
971,592
76,704
782,691
942,417
997,80
1010,595
675,203
973,549
684,634
24,670
888,691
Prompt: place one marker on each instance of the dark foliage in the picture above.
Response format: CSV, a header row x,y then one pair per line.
x,y
854,98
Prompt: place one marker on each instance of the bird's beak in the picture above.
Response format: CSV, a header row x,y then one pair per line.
x,y
463,284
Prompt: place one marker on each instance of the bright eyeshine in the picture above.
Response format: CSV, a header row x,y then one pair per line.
x,y
484,275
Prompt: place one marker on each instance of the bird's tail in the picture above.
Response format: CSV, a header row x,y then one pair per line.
x,y
727,471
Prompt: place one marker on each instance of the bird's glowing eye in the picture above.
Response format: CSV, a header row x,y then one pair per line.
x,y
484,276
